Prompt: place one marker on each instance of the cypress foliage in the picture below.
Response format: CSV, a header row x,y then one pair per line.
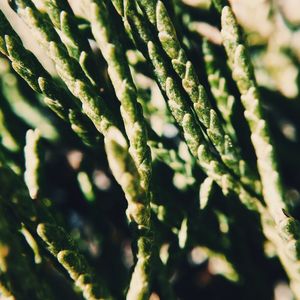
x,y
143,155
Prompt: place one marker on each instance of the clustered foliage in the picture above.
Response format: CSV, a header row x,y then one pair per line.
x,y
149,162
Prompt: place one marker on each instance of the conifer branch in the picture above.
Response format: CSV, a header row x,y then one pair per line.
x,y
96,109
30,69
286,226
180,109
164,29
63,19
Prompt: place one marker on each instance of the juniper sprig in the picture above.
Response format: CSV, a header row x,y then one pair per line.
x,y
57,240
225,101
164,29
32,175
29,68
244,77
193,137
60,245
68,68
181,111
64,21
110,45
131,111
173,192
17,278
242,72
115,142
